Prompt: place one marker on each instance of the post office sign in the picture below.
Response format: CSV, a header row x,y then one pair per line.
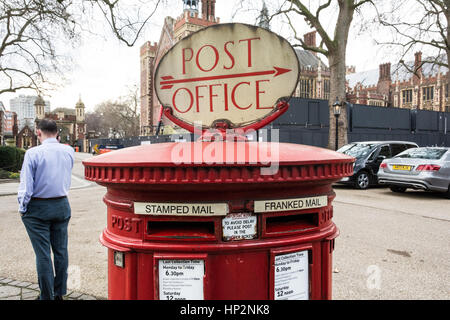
x,y
233,72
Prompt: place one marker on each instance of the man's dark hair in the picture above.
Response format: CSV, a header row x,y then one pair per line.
x,y
48,126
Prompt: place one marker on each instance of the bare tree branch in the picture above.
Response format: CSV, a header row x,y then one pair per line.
x,y
34,33
430,30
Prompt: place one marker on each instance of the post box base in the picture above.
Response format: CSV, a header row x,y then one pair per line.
x,y
297,267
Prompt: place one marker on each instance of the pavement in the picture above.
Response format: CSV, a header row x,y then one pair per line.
x,y
15,288
23,290
10,187
391,246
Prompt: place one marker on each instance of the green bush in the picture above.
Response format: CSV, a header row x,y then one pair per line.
x,y
20,154
11,158
14,175
4,174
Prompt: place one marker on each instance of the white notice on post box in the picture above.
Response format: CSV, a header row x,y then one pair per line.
x,y
181,279
291,276
239,226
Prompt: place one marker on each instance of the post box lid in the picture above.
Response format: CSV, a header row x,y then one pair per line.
x,y
226,156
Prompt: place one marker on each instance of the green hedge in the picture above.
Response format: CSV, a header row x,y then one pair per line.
x,y
11,158
9,175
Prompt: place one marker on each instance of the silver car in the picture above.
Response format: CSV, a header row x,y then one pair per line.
x,y
419,168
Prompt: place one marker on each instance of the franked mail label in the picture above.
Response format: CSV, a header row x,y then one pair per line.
x,y
181,209
291,204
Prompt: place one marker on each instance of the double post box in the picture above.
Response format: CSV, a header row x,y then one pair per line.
x,y
221,217
209,231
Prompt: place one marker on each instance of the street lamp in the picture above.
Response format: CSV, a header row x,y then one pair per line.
x,y
337,113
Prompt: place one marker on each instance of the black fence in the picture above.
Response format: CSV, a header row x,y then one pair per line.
x,y
307,122
132,141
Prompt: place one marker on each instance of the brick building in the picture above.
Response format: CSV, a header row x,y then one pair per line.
x,y
72,125
8,125
417,85
314,81
26,138
151,53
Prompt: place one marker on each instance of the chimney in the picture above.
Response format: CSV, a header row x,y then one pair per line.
x,y
350,69
418,64
384,79
385,72
208,9
310,39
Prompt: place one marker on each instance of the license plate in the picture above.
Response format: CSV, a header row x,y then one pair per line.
x,y
403,168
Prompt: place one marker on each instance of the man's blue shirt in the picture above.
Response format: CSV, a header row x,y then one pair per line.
x,y
46,172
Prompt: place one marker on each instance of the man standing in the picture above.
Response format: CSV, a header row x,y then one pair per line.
x,y
44,184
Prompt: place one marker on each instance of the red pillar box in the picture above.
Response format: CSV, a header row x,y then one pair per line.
x,y
221,218
200,231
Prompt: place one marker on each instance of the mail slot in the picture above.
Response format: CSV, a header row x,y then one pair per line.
x,y
293,223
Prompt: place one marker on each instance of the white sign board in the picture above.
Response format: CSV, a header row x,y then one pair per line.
x,y
239,226
290,204
291,276
181,209
181,279
234,72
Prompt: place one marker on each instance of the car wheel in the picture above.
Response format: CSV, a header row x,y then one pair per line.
x,y
447,194
397,189
362,180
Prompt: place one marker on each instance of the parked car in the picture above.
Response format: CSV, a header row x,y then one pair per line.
x,y
369,155
421,168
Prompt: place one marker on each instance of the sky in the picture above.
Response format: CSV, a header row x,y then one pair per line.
x,y
105,69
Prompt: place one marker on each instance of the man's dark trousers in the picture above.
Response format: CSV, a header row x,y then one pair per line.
x,y
46,222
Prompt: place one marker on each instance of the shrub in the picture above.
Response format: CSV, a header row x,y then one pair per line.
x,y
4,174
20,154
11,158
14,175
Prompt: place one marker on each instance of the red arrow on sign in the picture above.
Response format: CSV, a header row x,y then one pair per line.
x,y
168,82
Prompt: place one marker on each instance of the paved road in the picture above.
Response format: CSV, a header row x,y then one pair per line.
x,y
391,246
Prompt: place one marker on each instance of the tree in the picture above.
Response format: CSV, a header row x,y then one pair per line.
x,y
120,115
34,34
333,46
424,27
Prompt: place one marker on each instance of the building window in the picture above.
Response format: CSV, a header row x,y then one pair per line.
x,y
446,90
428,93
376,103
307,88
407,96
326,89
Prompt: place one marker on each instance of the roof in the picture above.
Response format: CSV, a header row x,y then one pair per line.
x,y
379,142
308,59
398,72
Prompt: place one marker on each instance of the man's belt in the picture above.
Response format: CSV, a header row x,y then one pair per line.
x,y
55,198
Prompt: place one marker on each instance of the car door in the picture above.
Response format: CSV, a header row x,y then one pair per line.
x,y
383,152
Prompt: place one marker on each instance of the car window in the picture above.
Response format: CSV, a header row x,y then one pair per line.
x,y
385,151
397,148
372,156
423,153
409,146
346,147
357,150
